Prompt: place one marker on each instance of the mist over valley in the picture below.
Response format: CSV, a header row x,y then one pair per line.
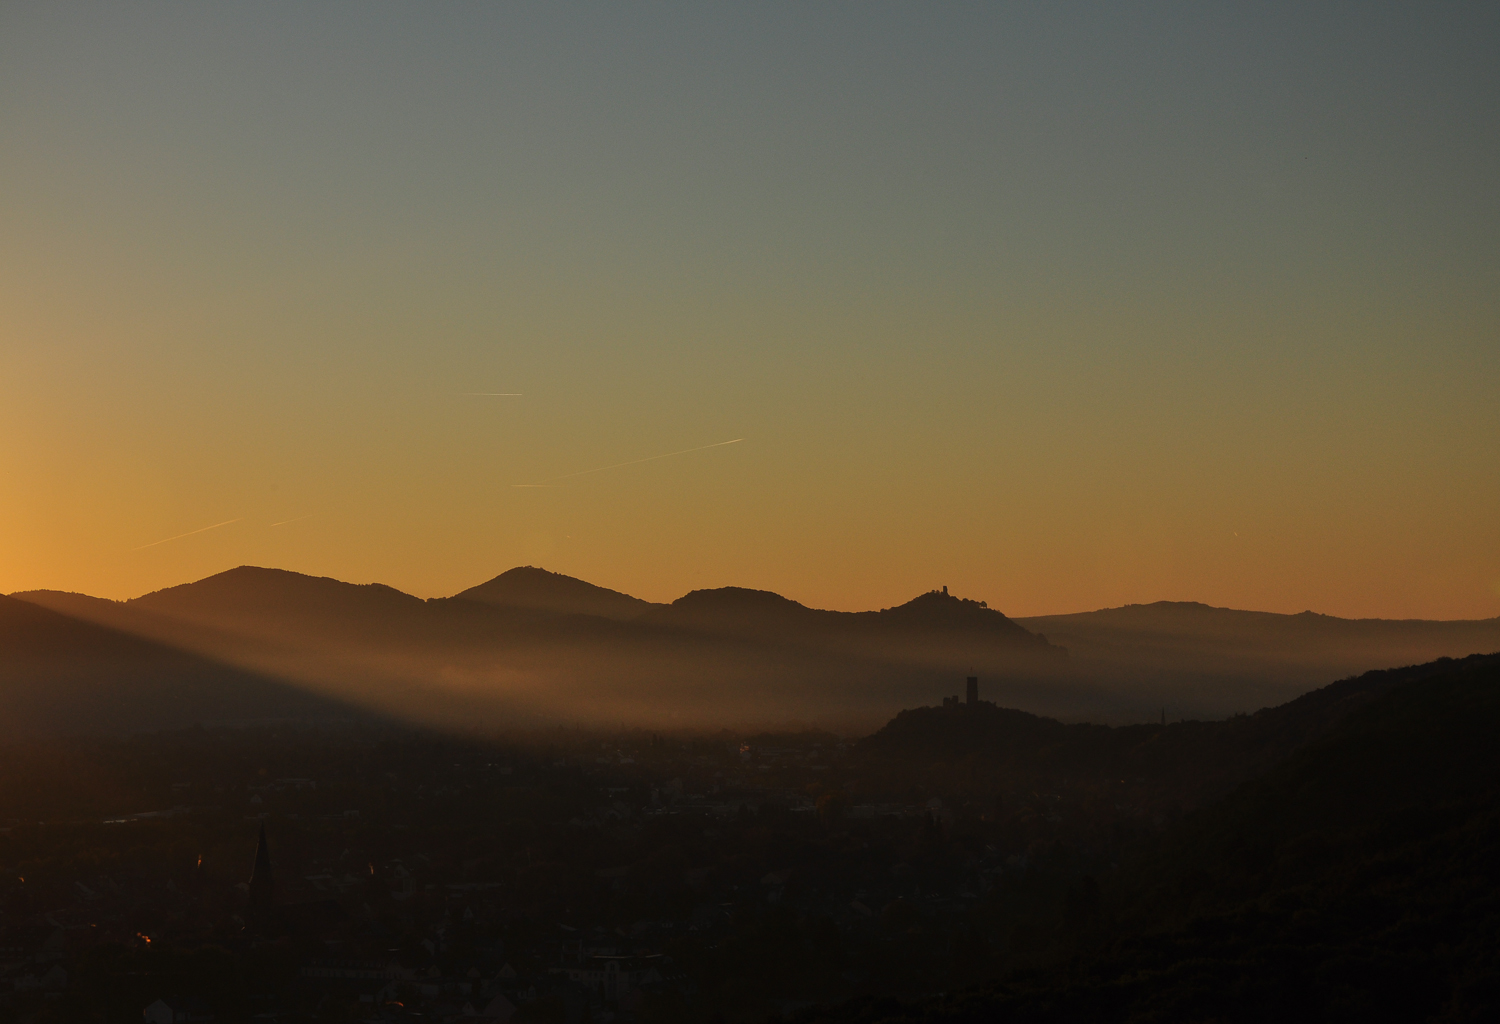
x,y
531,648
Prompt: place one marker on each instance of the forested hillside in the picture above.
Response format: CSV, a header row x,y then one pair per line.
x,y
1357,881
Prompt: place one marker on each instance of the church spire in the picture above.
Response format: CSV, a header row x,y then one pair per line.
x,y
261,887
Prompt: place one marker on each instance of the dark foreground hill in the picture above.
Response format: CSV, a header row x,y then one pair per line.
x,y
989,747
1355,880
1359,880
59,674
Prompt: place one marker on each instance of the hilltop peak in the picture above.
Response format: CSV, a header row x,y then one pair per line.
x,y
938,608
735,597
535,589
255,585
941,599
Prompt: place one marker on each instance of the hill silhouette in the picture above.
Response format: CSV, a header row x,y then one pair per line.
x,y
534,645
933,629
1186,640
59,674
536,589
737,611
529,654
251,598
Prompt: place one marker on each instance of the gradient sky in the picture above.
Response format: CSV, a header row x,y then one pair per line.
x,y
1060,306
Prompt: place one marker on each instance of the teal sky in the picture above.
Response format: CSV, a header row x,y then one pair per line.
x,y
1062,307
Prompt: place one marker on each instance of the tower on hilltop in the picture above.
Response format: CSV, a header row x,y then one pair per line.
x,y
972,697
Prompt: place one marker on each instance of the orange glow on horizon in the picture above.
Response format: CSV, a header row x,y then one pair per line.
x,y
1056,330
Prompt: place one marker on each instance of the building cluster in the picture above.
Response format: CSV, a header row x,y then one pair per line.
x,y
971,695
579,878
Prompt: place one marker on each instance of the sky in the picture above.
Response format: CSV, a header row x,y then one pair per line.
x,y
1059,306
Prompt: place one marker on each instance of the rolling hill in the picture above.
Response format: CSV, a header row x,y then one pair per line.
x,y
529,651
761,614
530,646
533,589
1188,636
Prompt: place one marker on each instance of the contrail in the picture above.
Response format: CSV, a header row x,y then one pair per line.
x,y
297,520
153,544
635,462
492,394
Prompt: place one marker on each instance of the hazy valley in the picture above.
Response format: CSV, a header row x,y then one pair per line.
x,y
478,807
530,648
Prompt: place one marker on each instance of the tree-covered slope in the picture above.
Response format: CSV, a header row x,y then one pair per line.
x,y
1357,881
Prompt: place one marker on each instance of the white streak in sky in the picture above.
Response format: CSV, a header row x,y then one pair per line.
x,y
153,544
636,462
297,520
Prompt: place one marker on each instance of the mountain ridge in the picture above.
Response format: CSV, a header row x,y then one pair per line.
x,y
738,654
492,662
1139,608
1187,639
740,611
